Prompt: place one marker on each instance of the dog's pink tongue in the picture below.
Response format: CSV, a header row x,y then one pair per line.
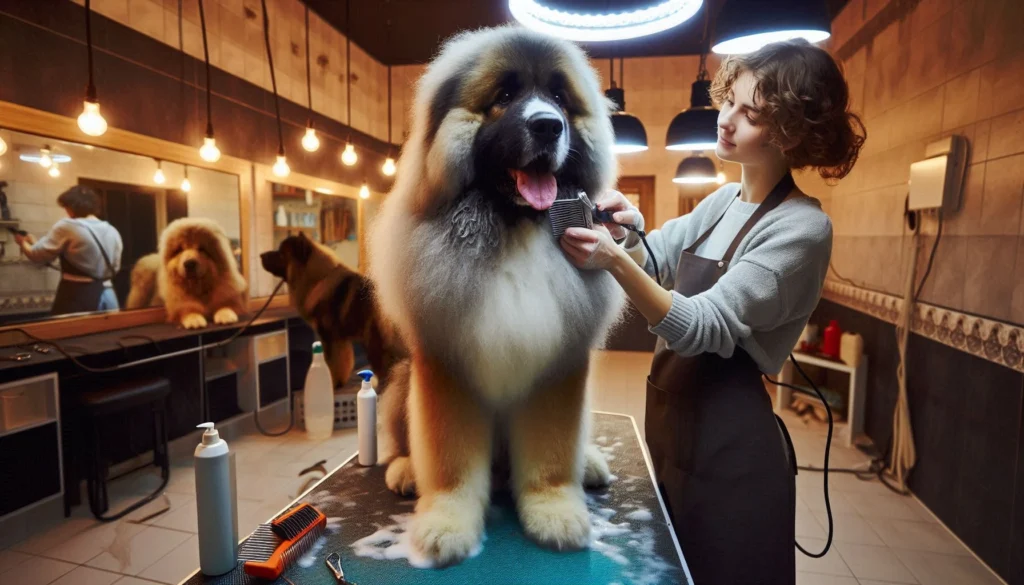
x,y
538,189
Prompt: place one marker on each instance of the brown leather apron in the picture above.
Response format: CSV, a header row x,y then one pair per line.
x,y
723,462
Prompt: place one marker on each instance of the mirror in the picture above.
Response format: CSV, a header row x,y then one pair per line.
x,y
124,200
332,220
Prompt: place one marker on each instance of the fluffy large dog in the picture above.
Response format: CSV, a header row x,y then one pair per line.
x,y
337,302
499,324
198,276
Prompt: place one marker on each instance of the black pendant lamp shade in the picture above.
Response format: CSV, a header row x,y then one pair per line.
x,y
747,25
630,135
696,128
696,170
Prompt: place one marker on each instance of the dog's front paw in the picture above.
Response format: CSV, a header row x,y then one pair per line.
x,y
225,316
448,528
193,321
595,468
557,518
399,477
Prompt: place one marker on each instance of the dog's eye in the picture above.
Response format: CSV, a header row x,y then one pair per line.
x,y
504,97
559,97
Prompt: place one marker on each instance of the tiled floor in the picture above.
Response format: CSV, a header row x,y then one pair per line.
x,y
880,538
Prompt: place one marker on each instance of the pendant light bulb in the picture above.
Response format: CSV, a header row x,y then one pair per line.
x,y
281,168
389,168
91,121
54,171
349,157
186,185
3,146
158,177
720,179
364,191
44,159
209,151
310,142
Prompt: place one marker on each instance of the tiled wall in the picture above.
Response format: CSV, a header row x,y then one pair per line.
x,y
236,45
920,71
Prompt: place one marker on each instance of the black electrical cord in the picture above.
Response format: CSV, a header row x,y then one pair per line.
x,y
206,57
273,79
931,258
309,82
90,90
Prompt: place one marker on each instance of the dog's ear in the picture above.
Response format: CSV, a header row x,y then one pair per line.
x,y
274,263
298,248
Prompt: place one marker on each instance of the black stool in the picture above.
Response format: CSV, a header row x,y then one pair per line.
x,y
97,408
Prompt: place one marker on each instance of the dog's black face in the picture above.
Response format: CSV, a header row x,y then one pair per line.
x,y
293,250
527,110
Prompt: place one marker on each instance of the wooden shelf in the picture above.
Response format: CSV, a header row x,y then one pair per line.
x,y
296,227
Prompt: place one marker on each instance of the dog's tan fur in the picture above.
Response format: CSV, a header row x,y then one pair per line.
x,y
216,289
143,291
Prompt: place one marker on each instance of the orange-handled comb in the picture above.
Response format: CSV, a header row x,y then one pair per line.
x,y
273,547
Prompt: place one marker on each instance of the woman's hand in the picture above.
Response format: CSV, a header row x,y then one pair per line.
x,y
591,249
27,238
622,210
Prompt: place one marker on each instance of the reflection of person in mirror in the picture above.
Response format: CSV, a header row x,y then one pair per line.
x,y
89,250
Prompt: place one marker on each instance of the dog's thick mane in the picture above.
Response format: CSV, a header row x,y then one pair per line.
x,y
194,232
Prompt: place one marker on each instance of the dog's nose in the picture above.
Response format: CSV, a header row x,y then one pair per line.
x,y
191,264
545,127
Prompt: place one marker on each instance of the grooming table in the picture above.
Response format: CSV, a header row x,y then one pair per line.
x,y
631,541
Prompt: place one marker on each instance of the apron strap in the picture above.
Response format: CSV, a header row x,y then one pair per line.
x,y
774,198
106,258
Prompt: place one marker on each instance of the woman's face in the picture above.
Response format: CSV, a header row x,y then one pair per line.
x,y
741,134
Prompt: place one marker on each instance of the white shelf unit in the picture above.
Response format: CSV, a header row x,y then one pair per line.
x,y
858,377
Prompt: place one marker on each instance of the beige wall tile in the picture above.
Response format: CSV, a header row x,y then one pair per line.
x,y
113,9
1001,201
146,16
929,54
960,105
1000,84
1007,136
970,42
233,59
989,279
967,221
929,11
979,141
945,284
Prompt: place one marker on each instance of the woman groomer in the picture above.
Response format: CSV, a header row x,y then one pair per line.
x,y
89,250
746,269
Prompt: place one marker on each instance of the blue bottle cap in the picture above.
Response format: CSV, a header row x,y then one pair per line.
x,y
366,375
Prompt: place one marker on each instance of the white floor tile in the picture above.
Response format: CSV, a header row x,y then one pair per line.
x,y
888,506
938,569
803,578
37,571
830,564
850,528
807,525
133,581
184,518
10,559
874,562
57,535
144,549
175,565
922,536
94,541
87,576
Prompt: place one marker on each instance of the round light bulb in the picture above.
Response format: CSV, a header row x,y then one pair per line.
x,y
44,159
158,177
186,185
54,171
310,142
3,146
720,179
364,191
209,151
389,167
349,157
90,121
281,167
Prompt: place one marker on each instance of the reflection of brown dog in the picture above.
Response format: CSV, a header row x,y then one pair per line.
x,y
143,292
199,276
337,302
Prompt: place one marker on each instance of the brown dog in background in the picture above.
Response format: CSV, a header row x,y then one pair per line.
x,y
337,302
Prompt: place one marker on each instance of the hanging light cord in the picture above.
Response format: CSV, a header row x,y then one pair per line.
x,y
611,71
206,57
90,91
702,75
309,83
348,69
273,79
388,2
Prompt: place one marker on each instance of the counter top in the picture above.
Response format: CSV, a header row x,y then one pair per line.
x,y
134,343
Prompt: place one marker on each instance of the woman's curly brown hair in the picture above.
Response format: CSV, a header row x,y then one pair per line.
x,y
805,100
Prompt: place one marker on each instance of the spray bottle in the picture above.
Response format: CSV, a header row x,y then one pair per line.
x,y
366,416
215,504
